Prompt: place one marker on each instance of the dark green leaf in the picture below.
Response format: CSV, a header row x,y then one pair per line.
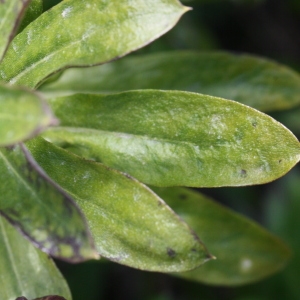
x,y
77,33
37,207
130,224
169,138
245,251
22,115
26,270
253,81
11,12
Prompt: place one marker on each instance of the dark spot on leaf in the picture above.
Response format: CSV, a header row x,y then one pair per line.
x,y
193,250
254,124
159,203
171,252
280,160
243,173
182,197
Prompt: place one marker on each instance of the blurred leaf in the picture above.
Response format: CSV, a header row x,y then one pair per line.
x,y
169,138
22,115
11,12
40,210
26,270
260,83
130,224
245,251
33,11
77,33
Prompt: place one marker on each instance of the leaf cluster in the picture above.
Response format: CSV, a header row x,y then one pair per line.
x,y
97,161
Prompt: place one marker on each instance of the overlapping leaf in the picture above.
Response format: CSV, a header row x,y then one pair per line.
x,y
253,81
130,224
169,138
245,251
76,33
33,11
11,12
26,270
22,115
37,207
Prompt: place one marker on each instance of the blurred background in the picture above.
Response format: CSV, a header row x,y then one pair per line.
x,y
269,29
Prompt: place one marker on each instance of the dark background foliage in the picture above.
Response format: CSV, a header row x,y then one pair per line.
x,y
265,28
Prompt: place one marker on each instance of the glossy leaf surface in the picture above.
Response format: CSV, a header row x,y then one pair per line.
x,y
40,210
22,115
169,138
77,33
11,12
129,223
26,270
245,251
33,11
250,80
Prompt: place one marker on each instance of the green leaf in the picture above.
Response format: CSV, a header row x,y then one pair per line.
x,y
26,270
245,251
130,224
34,10
84,33
23,115
260,83
169,138
40,209
11,12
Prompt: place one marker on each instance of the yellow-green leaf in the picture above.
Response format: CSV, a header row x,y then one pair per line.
x,y
245,252
172,138
33,11
84,33
23,114
26,270
130,224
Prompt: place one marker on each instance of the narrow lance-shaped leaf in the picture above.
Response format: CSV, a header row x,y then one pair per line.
x,y
245,251
11,12
130,224
23,114
25,270
46,215
257,82
84,33
33,11
169,138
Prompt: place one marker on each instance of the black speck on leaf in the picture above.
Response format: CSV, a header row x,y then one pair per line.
x,y
171,252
